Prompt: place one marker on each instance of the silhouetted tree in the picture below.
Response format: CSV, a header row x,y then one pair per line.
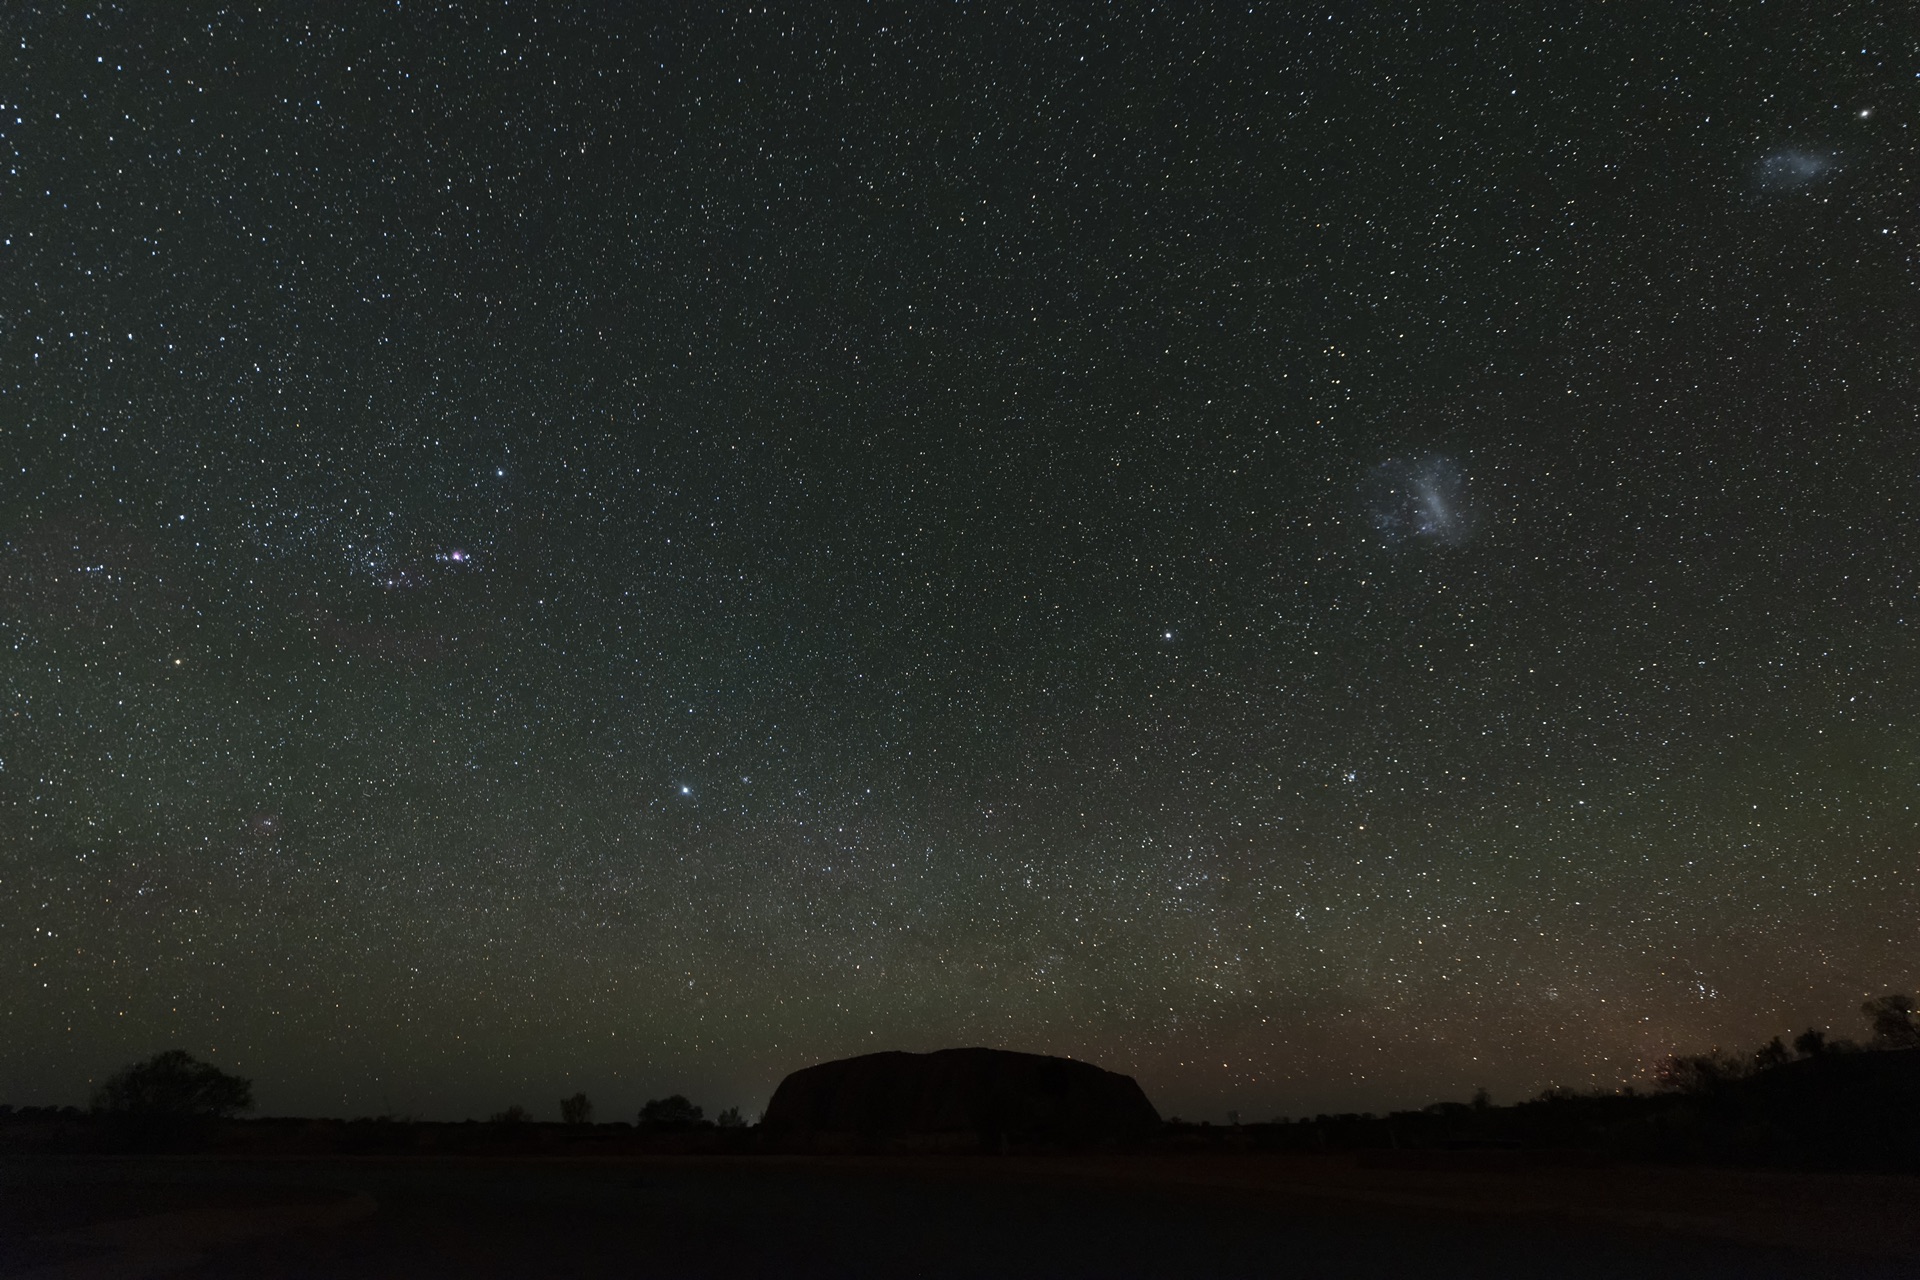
x,y
1810,1043
674,1112
730,1119
576,1110
1699,1073
173,1084
1770,1055
515,1114
1482,1099
1893,1022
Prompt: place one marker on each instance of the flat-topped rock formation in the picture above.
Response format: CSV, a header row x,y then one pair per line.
x,y
957,1098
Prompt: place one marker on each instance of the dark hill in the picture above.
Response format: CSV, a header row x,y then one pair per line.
x,y
1848,1110
958,1097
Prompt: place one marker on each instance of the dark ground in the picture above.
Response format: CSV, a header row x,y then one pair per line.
x,y
127,1217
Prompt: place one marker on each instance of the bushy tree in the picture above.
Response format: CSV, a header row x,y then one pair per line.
x,y
673,1112
173,1084
1810,1043
576,1110
730,1119
1770,1055
515,1114
1893,1021
1699,1073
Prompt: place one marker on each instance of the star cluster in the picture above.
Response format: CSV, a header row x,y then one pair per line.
x,y
1320,557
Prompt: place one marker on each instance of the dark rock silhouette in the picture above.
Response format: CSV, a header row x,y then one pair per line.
x,y
1854,1110
958,1098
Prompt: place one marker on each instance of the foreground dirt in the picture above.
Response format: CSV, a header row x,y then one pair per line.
x,y
1842,1215
109,1230
1474,1214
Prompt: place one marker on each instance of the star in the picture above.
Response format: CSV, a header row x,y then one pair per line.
x,y
1540,530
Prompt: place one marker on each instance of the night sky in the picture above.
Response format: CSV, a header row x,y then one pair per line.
x,y
1321,556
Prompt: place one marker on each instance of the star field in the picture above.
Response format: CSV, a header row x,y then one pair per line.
x,y
1322,558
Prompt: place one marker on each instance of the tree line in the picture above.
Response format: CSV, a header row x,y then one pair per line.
x,y
1816,1099
1891,1021
175,1084
672,1114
